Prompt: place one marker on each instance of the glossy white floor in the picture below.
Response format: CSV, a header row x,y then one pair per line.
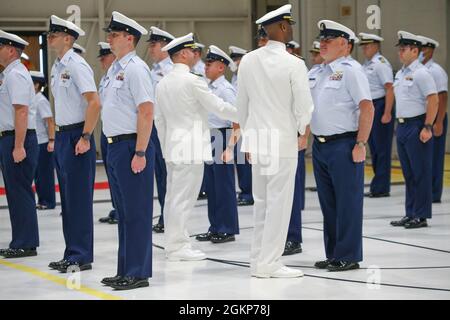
x,y
412,264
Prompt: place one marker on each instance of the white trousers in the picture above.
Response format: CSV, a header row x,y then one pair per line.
x,y
273,193
183,185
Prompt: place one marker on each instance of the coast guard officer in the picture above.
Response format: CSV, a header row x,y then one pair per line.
x,y
416,109
181,119
77,108
341,124
220,180
243,167
440,126
127,115
45,132
18,147
274,106
316,60
381,78
162,65
106,58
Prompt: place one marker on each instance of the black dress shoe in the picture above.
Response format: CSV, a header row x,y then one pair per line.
x,y
222,238
129,283
377,195
322,264
437,201
158,228
339,266
70,266
292,247
401,222
55,265
244,202
110,280
2,251
204,236
104,219
416,223
202,196
19,253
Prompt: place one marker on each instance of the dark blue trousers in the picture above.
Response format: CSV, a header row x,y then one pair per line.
x,y
295,224
45,177
340,186
160,172
221,188
380,143
18,178
438,162
244,173
134,203
416,161
77,175
104,149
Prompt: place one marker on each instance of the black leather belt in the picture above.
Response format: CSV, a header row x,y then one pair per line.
x,y
406,120
69,127
13,132
325,139
122,137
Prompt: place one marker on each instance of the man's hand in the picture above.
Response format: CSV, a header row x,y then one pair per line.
x,y
19,154
359,153
82,146
138,164
386,118
227,155
51,146
302,143
425,135
438,129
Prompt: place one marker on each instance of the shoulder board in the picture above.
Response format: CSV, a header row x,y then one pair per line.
x,y
197,74
296,55
382,59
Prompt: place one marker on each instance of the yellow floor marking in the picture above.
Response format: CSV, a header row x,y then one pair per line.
x,y
58,280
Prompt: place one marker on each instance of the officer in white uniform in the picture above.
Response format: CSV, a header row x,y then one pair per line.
x,y
274,106
220,180
18,147
381,79
182,124
316,60
106,58
293,47
199,66
77,109
236,55
162,65
79,49
441,124
341,124
127,115
45,132
417,105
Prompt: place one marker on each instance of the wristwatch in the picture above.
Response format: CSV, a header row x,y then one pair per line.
x,y
428,127
51,140
139,153
361,144
86,136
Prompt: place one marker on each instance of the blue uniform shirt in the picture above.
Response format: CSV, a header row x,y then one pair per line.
x,y
16,88
71,77
412,86
43,111
379,72
224,90
160,69
128,84
337,90
439,76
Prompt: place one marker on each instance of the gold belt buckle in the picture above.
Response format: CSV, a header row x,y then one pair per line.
x,y
1,134
110,140
322,139
401,120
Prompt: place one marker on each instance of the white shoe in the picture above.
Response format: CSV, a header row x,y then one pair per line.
x,y
283,272
186,255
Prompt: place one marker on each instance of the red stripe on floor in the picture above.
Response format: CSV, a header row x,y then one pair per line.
x,y
97,186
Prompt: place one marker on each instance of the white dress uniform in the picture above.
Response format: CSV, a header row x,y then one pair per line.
x,y
199,68
274,105
183,101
